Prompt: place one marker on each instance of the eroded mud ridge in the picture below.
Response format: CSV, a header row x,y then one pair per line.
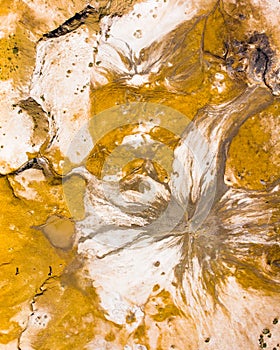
x,y
140,167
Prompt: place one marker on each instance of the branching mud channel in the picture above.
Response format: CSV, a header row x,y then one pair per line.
x,y
139,175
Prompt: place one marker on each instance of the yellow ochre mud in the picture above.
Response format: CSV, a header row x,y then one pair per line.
x,y
37,235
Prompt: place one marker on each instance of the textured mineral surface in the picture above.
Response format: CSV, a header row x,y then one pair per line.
x,y
139,175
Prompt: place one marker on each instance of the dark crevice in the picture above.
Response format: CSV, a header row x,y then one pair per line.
x,y
72,23
40,291
39,163
89,15
40,136
265,71
31,164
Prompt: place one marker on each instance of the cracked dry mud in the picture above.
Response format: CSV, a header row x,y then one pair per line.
x,y
140,166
